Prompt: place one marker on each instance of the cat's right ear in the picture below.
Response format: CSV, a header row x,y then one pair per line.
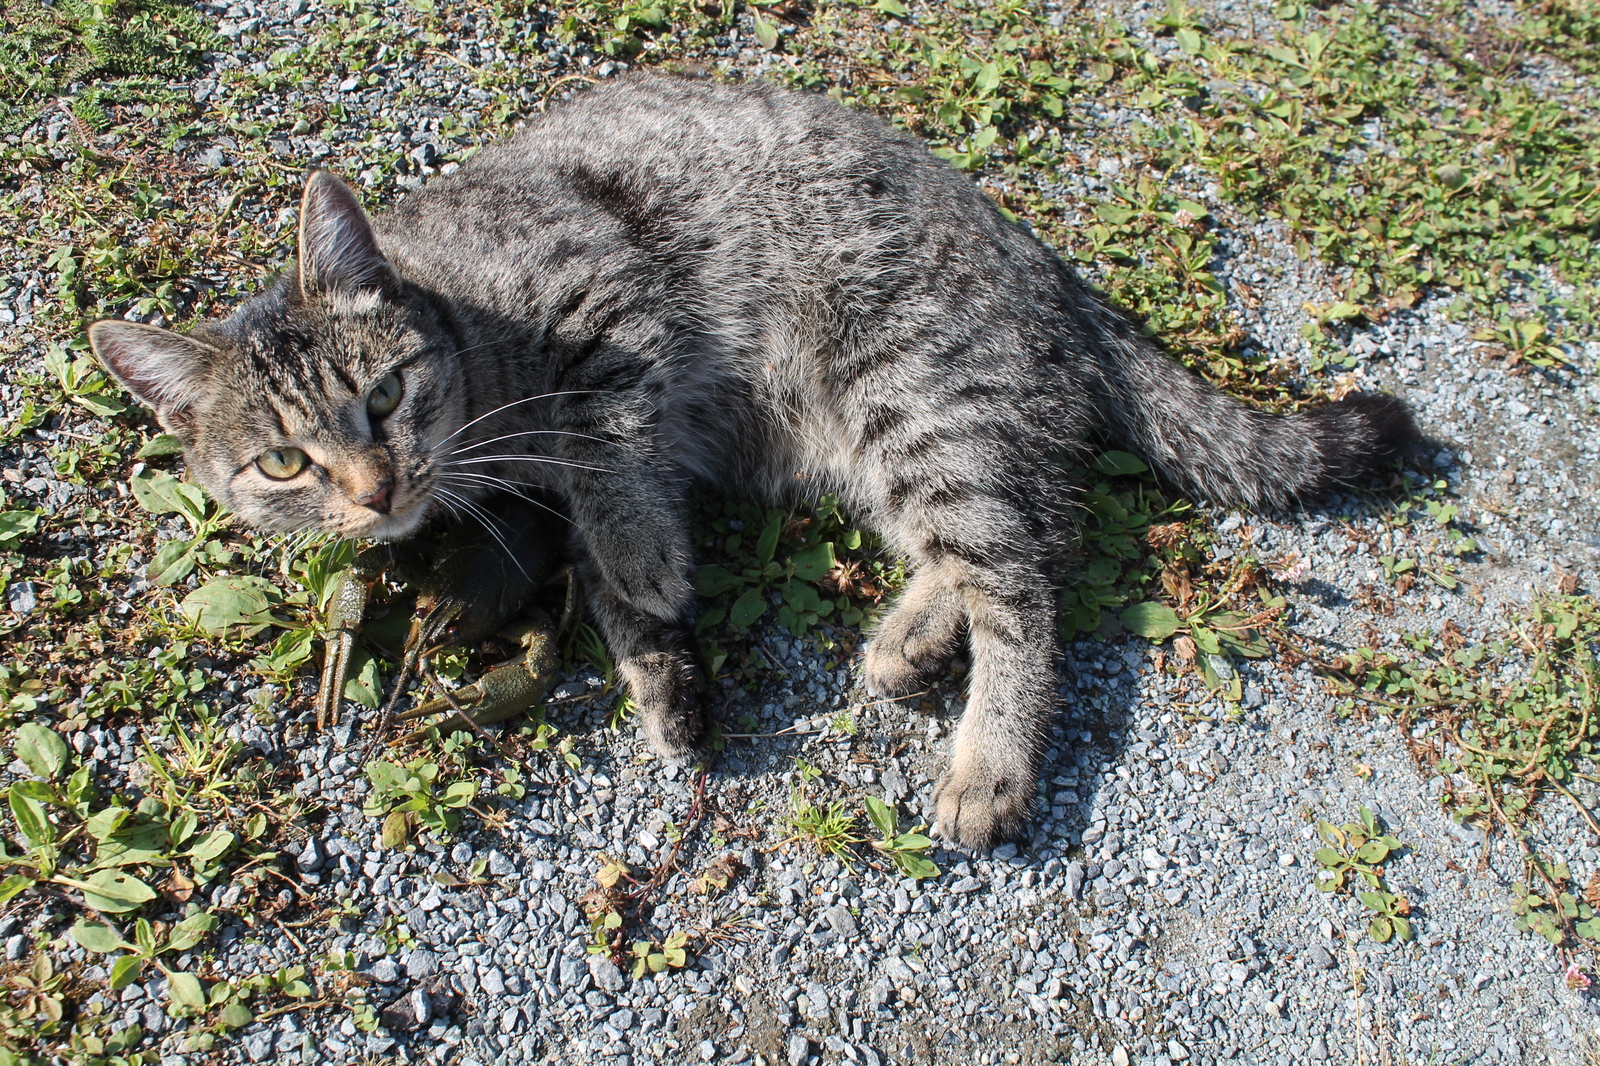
x,y
338,250
165,371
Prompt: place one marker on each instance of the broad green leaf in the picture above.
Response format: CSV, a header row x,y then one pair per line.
x,y
172,562
15,525
115,892
182,827
211,846
185,990
1115,462
225,603
41,749
160,444
395,829
133,845
813,563
1328,857
1402,928
1205,640
459,794
31,817
766,32
768,543
93,936
1373,851
748,608
714,580
103,406
236,1016
157,492
913,842
1154,621
1381,929
882,816
124,971
15,884
915,866
364,685
193,929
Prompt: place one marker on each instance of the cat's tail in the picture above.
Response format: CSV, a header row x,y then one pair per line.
x,y
1217,448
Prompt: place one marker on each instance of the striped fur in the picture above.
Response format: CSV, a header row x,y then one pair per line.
x,y
670,281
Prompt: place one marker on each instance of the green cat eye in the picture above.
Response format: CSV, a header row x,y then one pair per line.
x,y
385,396
282,463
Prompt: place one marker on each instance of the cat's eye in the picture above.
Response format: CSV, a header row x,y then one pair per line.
x,y
385,396
280,464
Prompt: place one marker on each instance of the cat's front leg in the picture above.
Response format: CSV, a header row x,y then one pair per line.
x,y
634,559
655,659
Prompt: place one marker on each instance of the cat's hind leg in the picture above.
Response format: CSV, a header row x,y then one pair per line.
x,y
987,794
917,637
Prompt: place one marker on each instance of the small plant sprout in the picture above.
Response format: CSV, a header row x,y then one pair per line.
x,y
1354,854
650,957
908,851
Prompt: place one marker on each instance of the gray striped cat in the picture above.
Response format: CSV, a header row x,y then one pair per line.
x,y
669,281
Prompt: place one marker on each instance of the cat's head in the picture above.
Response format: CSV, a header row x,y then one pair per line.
x,y
320,403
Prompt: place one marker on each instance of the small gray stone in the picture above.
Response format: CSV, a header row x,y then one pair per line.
x,y
461,853
258,1046
1119,1056
1319,1050
799,1049
384,971
421,1007
1321,959
310,857
500,866
574,976
606,974
840,920
420,962
966,884
1075,878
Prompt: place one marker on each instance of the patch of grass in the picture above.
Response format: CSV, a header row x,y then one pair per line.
x,y
1521,716
124,49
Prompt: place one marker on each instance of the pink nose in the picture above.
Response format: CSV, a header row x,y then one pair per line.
x,y
378,498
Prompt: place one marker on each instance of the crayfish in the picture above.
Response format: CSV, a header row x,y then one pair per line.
x,y
472,588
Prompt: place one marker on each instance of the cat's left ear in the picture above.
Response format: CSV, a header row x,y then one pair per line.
x,y
338,250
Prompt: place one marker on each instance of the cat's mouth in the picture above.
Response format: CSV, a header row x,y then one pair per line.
x,y
405,516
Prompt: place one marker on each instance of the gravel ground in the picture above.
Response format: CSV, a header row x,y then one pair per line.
x,y
1162,910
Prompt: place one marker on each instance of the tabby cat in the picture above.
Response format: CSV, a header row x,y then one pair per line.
x,y
667,281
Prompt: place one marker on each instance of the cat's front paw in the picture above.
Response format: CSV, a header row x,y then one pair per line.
x,y
976,808
665,688
913,643
888,673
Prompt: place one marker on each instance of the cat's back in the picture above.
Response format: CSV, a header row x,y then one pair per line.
x,y
669,157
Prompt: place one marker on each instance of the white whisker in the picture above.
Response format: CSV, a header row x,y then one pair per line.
x,y
511,487
513,403
526,459
527,433
489,522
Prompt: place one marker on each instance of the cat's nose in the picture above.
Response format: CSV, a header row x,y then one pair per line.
x,y
378,498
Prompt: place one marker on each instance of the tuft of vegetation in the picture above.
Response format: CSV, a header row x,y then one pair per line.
x,y
125,50
1354,854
